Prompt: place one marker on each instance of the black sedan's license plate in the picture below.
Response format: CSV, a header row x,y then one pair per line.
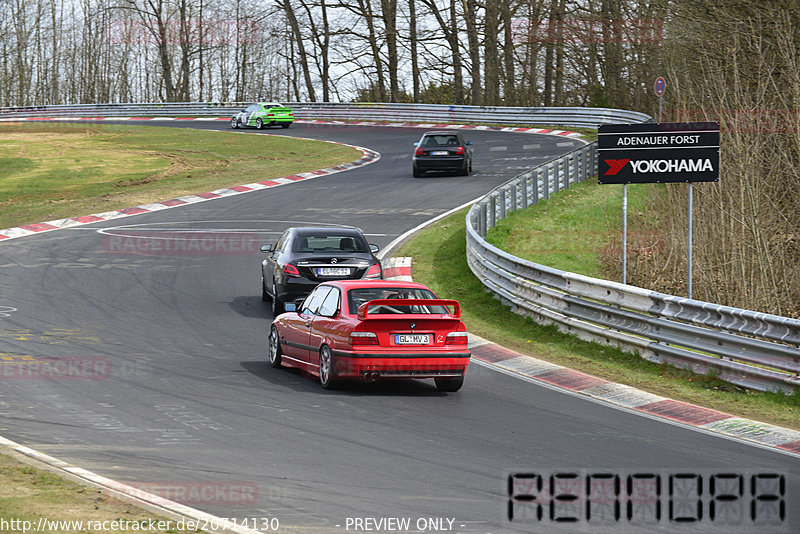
x,y
412,339
440,153
333,271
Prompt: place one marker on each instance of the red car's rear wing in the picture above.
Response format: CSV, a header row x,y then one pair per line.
x,y
389,304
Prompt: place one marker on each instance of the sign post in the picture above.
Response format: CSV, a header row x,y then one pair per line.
x,y
660,87
689,289
657,153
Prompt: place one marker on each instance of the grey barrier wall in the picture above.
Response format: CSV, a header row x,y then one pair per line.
x,y
750,349
747,348
433,113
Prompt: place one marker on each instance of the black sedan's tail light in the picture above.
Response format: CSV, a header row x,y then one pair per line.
x,y
419,151
460,150
374,271
291,271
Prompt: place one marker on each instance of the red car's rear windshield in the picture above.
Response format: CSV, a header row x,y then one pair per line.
x,y
357,297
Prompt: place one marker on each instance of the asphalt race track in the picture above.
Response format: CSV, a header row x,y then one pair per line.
x,y
182,394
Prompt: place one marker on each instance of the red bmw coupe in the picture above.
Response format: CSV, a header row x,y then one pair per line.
x,y
371,330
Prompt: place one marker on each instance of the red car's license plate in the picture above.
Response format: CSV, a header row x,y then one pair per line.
x,y
412,339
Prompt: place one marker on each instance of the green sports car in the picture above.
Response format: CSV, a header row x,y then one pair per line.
x,y
262,114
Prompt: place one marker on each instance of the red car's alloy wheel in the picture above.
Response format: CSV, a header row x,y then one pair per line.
x,y
274,347
326,369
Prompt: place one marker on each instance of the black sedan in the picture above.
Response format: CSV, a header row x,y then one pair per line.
x,y
306,256
442,151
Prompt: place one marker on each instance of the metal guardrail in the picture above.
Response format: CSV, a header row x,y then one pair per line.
x,y
429,113
750,349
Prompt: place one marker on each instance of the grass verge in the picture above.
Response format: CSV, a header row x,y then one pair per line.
x,y
439,254
28,494
56,170
576,230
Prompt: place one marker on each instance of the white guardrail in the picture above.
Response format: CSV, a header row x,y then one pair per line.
x,y
747,348
434,113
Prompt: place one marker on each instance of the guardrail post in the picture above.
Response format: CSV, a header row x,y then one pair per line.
x,y
525,179
502,198
492,212
546,183
568,174
514,196
557,176
576,168
482,223
587,156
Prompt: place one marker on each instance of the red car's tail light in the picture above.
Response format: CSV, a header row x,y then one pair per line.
x,y
363,338
419,151
291,271
456,338
460,150
374,271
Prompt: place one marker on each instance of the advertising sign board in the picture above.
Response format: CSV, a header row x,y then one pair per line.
x,y
657,153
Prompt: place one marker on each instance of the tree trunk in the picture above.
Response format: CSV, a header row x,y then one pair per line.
x,y
470,17
612,47
412,29
491,55
509,85
389,12
301,50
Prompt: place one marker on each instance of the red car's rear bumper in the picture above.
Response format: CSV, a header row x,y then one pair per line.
x,y
400,364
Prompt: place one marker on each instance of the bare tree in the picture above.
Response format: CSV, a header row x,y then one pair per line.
x,y
301,49
470,8
491,53
412,31
389,13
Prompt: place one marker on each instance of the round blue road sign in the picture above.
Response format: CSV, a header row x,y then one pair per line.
x,y
660,86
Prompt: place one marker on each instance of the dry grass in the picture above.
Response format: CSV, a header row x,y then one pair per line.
x,y
28,494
